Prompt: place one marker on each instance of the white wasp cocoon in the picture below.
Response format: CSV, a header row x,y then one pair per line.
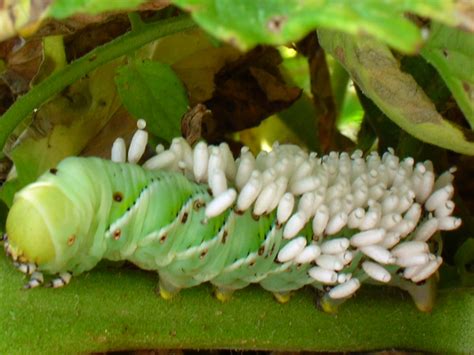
x,y
322,275
309,254
294,225
414,213
217,182
221,203
426,186
369,237
411,271
444,179
390,204
379,254
229,163
377,191
391,239
335,246
410,248
320,220
249,192
426,229
265,199
160,161
137,146
336,223
427,270
306,203
448,223
216,161
345,257
301,172
200,159
345,289
119,151
159,148
306,184
390,220
281,183
439,197
376,271
445,209
292,249
245,169
355,218
285,207
329,262
413,260
141,123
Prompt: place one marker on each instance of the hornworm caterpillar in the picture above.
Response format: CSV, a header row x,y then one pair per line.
x,y
283,219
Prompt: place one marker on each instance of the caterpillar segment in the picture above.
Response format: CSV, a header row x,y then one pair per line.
x,y
283,219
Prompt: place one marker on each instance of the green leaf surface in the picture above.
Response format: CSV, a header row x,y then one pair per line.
x,y
65,8
117,309
63,127
247,23
152,90
376,71
451,52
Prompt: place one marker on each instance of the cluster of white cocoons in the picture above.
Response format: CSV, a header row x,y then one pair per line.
x,y
395,205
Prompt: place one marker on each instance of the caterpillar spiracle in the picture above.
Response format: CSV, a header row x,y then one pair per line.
x,y
283,219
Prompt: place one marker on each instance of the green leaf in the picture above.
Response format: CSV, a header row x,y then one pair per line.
x,y
116,309
373,67
151,90
65,8
247,23
451,52
63,127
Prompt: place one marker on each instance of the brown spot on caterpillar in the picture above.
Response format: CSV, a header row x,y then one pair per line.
x,y
71,240
209,191
184,218
198,204
224,236
261,250
252,263
53,171
255,217
163,239
276,23
117,234
118,196
203,254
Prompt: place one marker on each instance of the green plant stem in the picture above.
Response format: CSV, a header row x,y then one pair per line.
x,y
51,86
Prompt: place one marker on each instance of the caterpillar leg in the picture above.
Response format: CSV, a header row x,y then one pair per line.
x,y
223,294
166,290
62,280
27,269
36,280
282,297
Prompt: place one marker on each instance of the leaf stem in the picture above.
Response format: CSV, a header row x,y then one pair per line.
x,y
51,86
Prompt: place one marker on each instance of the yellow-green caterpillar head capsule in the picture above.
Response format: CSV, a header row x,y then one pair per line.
x,y
41,224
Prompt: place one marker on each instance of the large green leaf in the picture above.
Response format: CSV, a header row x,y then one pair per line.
x,y
377,72
63,127
451,51
247,23
107,310
152,90
65,8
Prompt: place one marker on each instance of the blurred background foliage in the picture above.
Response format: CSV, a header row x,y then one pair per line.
x,y
326,75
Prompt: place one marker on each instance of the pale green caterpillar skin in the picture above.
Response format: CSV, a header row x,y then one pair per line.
x,y
95,209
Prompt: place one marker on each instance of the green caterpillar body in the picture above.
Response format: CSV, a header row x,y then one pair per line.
x,y
89,209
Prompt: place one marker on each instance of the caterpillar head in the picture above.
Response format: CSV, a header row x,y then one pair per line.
x,y
41,224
